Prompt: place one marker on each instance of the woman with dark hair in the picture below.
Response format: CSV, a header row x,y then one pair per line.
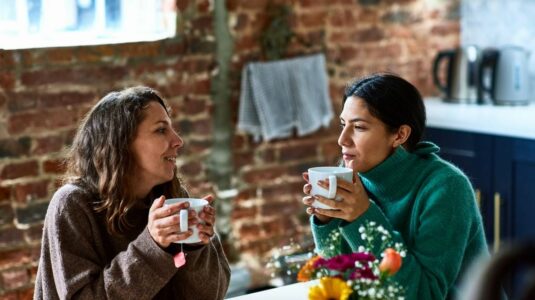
x,y
402,184
107,233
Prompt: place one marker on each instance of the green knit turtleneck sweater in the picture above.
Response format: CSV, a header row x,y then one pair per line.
x,y
429,206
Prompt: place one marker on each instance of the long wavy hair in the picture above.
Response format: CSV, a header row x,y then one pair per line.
x,y
100,159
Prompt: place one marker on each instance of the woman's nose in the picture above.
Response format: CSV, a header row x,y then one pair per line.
x,y
343,139
177,140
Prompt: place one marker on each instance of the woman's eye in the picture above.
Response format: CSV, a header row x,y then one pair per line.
x,y
161,130
359,127
342,125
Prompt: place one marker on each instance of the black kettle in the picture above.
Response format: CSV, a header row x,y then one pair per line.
x,y
462,74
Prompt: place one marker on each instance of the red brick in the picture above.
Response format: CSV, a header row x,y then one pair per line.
x,y
203,24
203,6
27,192
14,295
202,127
173,47
446,28
7,80
298,151
59,56
191,169
85,76
5,193
244,195
95,53
201,87
17,170
313,19
14,278
18,257
7,215
192,106
11,237
25,294
7,60
253,4
264,175
241,212
151,49
48,144
241,160
43,120
247,43
66,98
248,231
182,5
372,34
54,166
284,190
35,233
331,152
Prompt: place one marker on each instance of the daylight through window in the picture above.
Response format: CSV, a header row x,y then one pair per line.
x,y
50,23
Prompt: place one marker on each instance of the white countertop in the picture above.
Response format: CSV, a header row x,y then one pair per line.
x,y
294,291
513,121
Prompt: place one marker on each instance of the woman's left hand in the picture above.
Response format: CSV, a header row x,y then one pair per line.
x,y
207,215
352,200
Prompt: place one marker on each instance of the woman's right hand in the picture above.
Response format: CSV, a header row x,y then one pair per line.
x,y
308,200
164,222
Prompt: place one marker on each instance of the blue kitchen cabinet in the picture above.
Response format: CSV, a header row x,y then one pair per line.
x,y
502,172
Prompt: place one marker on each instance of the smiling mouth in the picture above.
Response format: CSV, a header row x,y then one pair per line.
x,y
170,158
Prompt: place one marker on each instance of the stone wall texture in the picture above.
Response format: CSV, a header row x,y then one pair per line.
x,y
45,92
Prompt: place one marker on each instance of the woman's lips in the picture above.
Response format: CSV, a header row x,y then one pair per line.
x,y
348,156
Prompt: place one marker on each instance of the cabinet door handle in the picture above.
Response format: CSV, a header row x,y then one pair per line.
x,y
478,198
497,215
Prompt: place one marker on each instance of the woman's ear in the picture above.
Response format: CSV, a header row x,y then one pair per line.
x,y
402,135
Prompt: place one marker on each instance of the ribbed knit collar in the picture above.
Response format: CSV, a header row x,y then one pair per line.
x,y
393,178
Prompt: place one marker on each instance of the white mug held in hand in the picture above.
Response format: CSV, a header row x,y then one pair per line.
x,y
332,174
197,205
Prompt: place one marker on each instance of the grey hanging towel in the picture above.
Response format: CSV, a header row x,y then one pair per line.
x,y
278,96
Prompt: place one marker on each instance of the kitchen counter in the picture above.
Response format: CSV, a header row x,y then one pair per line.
x,y
512,121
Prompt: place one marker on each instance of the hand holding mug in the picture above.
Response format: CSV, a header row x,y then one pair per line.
x,y
164,222
207,217
335,193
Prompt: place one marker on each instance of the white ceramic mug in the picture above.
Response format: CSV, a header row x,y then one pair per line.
x,y
197,205
332,174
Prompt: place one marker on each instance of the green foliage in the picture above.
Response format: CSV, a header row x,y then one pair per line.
x,y
278,33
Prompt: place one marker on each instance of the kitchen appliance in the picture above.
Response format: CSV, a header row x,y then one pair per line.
x,y
507,68
462,74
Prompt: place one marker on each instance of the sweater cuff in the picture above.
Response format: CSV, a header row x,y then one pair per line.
x,y
156,258
350,231
321,232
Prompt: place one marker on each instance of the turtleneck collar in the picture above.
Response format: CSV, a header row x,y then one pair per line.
x,y
391,179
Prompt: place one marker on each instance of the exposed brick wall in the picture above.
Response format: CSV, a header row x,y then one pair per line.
x,y
45,92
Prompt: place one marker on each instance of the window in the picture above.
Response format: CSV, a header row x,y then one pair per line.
x,y
50,23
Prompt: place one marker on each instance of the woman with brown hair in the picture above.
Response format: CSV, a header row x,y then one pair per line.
x,y
107,233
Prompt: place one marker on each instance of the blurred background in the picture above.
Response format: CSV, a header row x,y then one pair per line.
x,y
57,58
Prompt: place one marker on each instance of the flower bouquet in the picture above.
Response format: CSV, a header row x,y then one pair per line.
x,y
359,275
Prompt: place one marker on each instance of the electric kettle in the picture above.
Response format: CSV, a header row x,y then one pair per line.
x,y
462,74
509,75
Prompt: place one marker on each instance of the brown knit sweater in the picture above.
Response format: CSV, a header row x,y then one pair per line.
x,y
80,259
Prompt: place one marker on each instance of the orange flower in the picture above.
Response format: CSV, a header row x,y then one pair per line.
x,y
306,271
391,262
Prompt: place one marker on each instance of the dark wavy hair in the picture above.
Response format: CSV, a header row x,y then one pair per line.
x,y
394,101
100,159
